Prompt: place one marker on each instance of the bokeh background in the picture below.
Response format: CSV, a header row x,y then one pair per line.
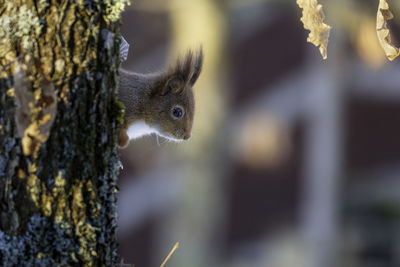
x,y
293,161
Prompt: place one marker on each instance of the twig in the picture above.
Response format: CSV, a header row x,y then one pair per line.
x,y
170,254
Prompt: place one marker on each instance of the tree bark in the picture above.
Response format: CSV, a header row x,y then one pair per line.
x,y
59,116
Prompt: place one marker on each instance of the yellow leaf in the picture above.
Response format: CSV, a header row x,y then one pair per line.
x,y
313,20
385,37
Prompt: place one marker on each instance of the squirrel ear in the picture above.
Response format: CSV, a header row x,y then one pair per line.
x,y
185,71
197,66
174,85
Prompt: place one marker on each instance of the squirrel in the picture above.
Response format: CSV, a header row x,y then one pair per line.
x,y
161,102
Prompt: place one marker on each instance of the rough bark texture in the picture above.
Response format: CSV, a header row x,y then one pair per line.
x,y
58,185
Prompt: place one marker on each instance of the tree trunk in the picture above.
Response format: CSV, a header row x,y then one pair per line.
x,y
58,121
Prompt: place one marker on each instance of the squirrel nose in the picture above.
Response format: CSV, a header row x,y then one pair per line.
x,y
186,137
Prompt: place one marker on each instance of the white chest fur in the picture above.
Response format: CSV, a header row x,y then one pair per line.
x,y
140,128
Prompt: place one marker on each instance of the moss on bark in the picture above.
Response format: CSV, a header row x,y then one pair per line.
x,y
58,175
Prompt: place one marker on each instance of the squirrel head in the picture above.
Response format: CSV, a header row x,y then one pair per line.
x,y
172,100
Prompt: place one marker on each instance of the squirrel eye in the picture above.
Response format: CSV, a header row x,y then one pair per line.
x,y
177,112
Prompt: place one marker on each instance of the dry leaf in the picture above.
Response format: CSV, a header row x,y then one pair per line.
x,y
313,20
384,35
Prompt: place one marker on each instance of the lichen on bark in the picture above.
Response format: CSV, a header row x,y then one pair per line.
x,y
58,184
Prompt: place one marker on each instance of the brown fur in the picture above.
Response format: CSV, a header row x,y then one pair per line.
x,y
152,97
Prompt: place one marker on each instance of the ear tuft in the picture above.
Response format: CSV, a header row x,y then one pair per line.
x,y
197,66
187,70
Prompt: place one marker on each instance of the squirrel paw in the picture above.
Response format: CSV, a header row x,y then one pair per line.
x,y
123,138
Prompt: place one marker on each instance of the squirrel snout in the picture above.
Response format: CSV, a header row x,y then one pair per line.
x,y
186,137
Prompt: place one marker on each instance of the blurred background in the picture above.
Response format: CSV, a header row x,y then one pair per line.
x,y
293,161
